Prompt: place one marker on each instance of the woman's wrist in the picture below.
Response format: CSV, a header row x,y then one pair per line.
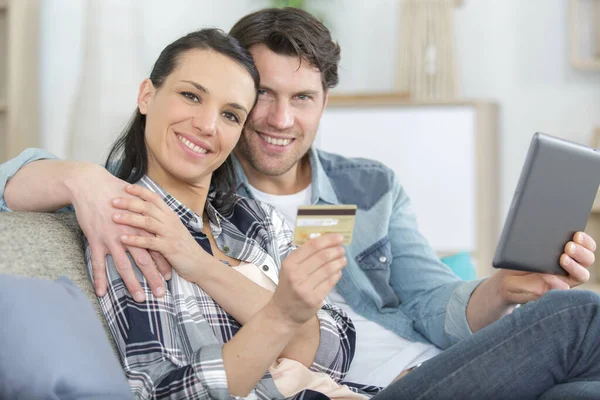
x,y
279,321
206,269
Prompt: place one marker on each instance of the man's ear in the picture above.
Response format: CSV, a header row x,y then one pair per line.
x,y
145,95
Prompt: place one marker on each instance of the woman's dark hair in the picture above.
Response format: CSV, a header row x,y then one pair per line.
x,y
292,32
129,151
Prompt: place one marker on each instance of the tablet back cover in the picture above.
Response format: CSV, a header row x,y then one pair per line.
x,y
553,200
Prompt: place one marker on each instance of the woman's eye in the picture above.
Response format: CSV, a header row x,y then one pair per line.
x,y
190,96
232,117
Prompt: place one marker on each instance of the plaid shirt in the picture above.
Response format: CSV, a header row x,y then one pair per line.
x,y
171,347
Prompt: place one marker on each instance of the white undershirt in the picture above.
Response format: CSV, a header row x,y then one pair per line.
x,y
380,355
287,204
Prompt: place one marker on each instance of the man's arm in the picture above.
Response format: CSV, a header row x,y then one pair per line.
x,y
12,167
43,185
37,181
446,309
429,292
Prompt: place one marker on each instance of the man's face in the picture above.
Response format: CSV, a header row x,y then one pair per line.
x,y
283,124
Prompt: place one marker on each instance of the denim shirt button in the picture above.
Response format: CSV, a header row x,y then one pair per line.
x,y
382,259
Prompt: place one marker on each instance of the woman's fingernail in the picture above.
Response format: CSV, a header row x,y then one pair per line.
x,y
159,292
167,276
123,237
117,216
116,201
139,297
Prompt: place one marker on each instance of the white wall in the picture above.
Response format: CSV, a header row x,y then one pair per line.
x,y
512,51
517,52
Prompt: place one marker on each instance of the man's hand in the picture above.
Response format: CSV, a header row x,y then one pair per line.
x,y
91,190
499,294
518,287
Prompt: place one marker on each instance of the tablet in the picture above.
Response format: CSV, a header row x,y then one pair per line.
x,y
554,196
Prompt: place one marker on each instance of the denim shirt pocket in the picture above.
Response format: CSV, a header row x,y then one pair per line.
x,y
375,262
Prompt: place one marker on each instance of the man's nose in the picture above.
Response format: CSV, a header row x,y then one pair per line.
x,y
281,115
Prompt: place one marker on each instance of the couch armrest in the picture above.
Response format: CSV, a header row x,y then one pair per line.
x,y
46,245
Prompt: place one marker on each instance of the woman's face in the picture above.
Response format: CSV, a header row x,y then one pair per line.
x,y
194,120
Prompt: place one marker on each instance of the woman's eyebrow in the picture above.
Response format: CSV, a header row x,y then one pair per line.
x,y
197,86
238,107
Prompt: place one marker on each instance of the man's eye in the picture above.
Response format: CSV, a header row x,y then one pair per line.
x,y
303,97
262,92
190,96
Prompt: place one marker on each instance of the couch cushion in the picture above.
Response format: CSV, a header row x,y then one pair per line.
x,y
46,245
53,346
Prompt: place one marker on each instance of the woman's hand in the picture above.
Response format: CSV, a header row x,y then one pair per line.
x,y
171,238
307,276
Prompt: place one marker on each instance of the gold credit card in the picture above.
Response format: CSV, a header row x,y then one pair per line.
x,y
314,221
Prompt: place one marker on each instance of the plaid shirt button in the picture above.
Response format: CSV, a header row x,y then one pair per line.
x,y
265,267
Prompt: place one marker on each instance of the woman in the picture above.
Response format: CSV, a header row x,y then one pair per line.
x,y
216,332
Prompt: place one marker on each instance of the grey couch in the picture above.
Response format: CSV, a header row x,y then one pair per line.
x,y
45,245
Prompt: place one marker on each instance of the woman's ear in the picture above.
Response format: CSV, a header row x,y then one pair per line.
x,y
145,95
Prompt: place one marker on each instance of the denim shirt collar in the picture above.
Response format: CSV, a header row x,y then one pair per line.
x,y
322,189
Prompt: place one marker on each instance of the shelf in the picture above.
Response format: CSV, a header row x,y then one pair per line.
x,y
394,99
3,108
586,65
3,5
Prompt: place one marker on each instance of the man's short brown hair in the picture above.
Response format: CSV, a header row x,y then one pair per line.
x,y
292,32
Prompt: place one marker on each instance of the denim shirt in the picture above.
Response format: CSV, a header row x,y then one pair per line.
x,y
393,276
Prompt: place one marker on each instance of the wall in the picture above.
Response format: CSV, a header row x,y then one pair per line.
x,y
512,51
516,52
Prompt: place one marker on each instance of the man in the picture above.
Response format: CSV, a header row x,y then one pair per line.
x,y
406,304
